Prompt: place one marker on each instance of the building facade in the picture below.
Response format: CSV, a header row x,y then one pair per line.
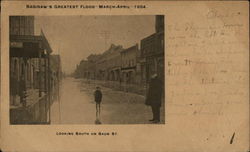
x,y
21,25
30,73
90,72
129,63
107,65
152,51
130,66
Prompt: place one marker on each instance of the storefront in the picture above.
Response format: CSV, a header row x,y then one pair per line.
x,y
29,79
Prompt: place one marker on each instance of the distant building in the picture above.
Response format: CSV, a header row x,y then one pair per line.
x,y
129,62
105,66
91,66
81,69
109,64
131,65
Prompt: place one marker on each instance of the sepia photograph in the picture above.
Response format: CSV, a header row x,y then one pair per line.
x,y
103,76
95,69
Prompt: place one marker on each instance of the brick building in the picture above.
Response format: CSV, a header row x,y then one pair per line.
x,y
105,66
152,51
132,67
81,69
129,63
109,63
91,66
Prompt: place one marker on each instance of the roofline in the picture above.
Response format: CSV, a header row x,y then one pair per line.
x,y
129,49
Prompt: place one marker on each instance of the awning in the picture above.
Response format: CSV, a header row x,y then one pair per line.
x,y
29,46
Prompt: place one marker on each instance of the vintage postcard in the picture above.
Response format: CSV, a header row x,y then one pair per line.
x,y
125,76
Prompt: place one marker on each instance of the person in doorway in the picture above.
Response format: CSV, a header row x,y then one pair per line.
x,y
98,100
153,97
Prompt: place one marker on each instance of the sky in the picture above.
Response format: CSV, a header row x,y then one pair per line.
x,y
76,37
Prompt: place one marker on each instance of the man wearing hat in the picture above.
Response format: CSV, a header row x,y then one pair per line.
x,y
153,97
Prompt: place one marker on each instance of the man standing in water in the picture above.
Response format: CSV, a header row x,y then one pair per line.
x,y
98,100
153,98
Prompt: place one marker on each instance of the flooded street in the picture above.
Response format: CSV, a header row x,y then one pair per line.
x,y
76,105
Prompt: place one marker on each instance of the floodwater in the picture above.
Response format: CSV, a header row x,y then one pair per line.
x,y
76,105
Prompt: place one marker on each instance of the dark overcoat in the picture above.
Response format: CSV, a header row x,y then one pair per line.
x,y
154,94
98,96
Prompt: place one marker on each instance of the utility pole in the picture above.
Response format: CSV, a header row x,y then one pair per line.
x,y
105,34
